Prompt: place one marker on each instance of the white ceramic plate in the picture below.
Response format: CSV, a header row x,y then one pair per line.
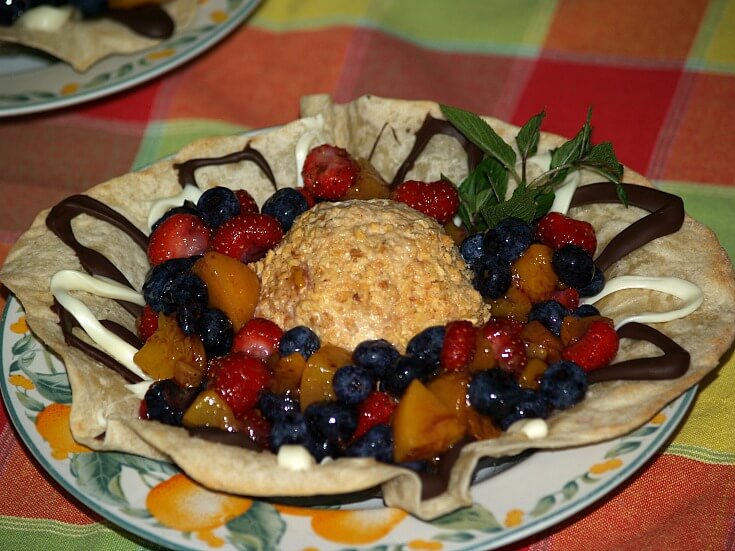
x,y
144,497
31,83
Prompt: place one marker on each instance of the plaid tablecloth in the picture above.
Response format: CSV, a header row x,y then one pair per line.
x,y
660,76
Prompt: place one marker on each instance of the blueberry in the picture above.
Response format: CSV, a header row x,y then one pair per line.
x,y
427,345
563,384
320,448
513,236
471,248
352,384
494,393
215,330
159,283
492,276
186,288
550,313
187,208
90,8
217,205
595,286
585,310
331,421
166,401
376,443
530,406
275,406
404,370
299,339
573,265
419,466
285,205
289,429
187,317
375,355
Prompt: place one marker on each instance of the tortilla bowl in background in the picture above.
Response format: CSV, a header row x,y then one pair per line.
x,y
83,42
105,414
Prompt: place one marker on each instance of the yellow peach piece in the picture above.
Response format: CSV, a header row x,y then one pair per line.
x,y
209,409
167,347
316,379
232,286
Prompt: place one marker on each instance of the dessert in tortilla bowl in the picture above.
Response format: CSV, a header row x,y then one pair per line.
x,y
380,293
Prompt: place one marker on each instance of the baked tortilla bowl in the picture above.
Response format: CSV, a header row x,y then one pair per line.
x,y
104,412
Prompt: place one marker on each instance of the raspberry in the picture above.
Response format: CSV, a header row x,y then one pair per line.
x,y
557,230
147,323
179,236
459,346
240,380
595,349
258,338
247,203
439,199
329,172
247,237
569,298
376,409
506,343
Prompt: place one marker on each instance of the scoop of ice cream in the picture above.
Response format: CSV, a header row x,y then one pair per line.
x,y
358,270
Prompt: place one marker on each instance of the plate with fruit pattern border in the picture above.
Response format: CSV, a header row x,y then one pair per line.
x,y
144,497
32,82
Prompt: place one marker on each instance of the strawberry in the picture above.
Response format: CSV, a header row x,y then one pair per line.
x,y
504,337
569,298
247,237
439,199
557,230
459,346
179,236
258,338
376,409
329,171
147,323
240,379
247,203
595,349
310,201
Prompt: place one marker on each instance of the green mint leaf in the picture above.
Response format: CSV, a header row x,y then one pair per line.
x,y
574,149
602,159
481,134
528,136
543,200
520,205
486,185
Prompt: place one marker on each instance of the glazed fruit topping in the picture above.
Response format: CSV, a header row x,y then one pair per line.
x,y
556,230
179,236
439,199
328,172
247,237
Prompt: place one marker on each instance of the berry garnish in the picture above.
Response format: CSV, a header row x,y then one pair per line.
x,y
285,205
215,330
511,236
179,236
147,323
563,384
506,343
573,265
439,199
247,203
585,311
595,286
158,286
494,393
376,409
376,443
166,401
557,230
569,298
596,348
187,208
459,346
240,379
427,345
288,429
530,406
471,248
274,406
217,205
247,237
332,421
376,356
329,171
352,384
492,276
258,338
406,369
299,339
550,313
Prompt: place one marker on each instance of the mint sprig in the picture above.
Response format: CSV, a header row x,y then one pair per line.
x,y
483,192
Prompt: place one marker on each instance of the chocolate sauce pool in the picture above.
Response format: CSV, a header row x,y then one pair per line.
x,y
666,215
149,20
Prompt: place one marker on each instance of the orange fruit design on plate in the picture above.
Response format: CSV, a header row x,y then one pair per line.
x,y
20,327
348,526
182,504
53,425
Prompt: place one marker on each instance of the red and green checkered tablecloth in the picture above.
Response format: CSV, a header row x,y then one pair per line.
x,y
660,76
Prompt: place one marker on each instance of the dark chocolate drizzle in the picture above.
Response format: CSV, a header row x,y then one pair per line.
x,y
187,168
672,364
430,128
666,217
149,20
